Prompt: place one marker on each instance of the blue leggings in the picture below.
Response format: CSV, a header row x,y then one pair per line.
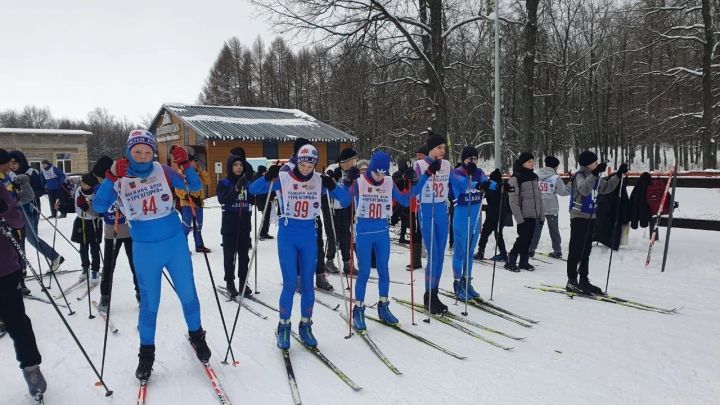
x,y
461,253
297,246
187,220
364,245
150,258
439,238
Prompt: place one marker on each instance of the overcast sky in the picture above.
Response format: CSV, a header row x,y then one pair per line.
x,y
129,56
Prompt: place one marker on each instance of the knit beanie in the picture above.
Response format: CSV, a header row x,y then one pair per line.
x,y
524,157
380,163
347,154
434,140
552,161
467,152
238,151
587,158
307,153
422,149
89,179
299,143
141,136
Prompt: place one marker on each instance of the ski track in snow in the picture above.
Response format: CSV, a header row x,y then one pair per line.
x,y
582,351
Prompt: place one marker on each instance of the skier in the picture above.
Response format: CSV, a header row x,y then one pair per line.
x,y
527,209
260,206
496,199
373,193
87,230
53,179
586,184
468,184
191,203
299,190
143,187
347,161
12,307
235,229
434,217
551,186
416,246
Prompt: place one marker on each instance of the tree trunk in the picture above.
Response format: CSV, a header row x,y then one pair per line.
x,y
709,158
530,35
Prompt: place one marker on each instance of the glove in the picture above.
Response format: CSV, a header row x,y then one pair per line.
x,y
484,186
433,167
180,156
3,206
351,175
411,176
337,174
600,169
241,183
328,182
622,170
118,169
82,203
471,168
272,173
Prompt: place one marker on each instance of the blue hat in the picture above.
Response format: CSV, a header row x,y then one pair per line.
x,y
141,136
307,153
380,163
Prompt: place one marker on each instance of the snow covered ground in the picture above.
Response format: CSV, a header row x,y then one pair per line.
x,y
581,352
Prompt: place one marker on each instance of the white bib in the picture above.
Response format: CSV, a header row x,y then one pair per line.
x,y
374,202
548,186
439,187
300,199
145,199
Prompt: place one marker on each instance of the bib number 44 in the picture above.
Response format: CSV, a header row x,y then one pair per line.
x,y
149,206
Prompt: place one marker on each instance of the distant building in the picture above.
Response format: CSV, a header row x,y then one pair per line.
x,y
65,148
212,131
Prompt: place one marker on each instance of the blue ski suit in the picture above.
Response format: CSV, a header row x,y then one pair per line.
x,y
158,243
297,246
373,234
468,217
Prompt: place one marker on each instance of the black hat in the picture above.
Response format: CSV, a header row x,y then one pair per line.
x,y
299,143
434,140
587,158
45,162
467,152
89,179
496,176
261,169
524,157
552,161
347,154
238,151
103,164
422,149
4,156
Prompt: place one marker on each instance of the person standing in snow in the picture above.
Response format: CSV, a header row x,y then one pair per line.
x,y
235,229
434,217
347,161
497,217
586,184
527,208
414,209
87,231
373,193
299,190
192,203
53,179
551,186
12,307
468,184
143,188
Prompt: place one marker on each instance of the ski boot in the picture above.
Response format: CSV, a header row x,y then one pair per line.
x,y
322,283
438,308
23,288
349,268
461,293
480,255
330,267
247,292
94,277
56,263
358,315
555,255
471,291
384,312
283,335
572,286
83,274
104,303
231,289
197,340
403,241
589,288
500,257
510,265
146,359
35,381
525,263
306,335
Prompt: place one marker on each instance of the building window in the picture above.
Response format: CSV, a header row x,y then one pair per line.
x,y
271,149
333,151
186,133
35,164
63,162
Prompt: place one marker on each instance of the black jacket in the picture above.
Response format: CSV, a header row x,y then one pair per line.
x,y
235,203
607,214
639,210
24,168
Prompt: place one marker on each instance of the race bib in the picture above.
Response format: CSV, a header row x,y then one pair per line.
x,y
300,199
374,202
437,190
145,199
548,187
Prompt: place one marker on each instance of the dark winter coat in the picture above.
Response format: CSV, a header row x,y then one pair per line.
x,y
36,181
235,203
14,218
493,207
639,211
607,214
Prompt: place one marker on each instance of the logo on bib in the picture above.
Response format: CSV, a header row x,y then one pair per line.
x,y
165,197
316,204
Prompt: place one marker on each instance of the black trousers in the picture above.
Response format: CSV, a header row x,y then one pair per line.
x,y
94,250
237,243
487,230
320,263
342,228
525,231
416,241
260,205
400,214
17,323
111,263
53,196
581,236
330,235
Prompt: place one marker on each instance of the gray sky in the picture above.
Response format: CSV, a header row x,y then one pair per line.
x,y
129,56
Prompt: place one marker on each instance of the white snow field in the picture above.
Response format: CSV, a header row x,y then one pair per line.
x,y
581,352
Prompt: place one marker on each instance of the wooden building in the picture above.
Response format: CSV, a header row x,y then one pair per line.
x,y
65,148
212,131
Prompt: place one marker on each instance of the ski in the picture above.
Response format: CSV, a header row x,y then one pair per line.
x,y
540,260
653,237
375,349
500,309
546,254
326,305
342,376
88,291
617,300
419,338
291,378
219,391
142,392
462,319
70,289
250,309
598,298
491,311
113,329
50,273
43,300
263,303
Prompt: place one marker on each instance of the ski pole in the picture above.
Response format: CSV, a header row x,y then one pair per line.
x,y
58,231
498,226
412,251
670,221
87,275
615,230
255,264
53,244
8,233
112,261
431,262
653,237
348,309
